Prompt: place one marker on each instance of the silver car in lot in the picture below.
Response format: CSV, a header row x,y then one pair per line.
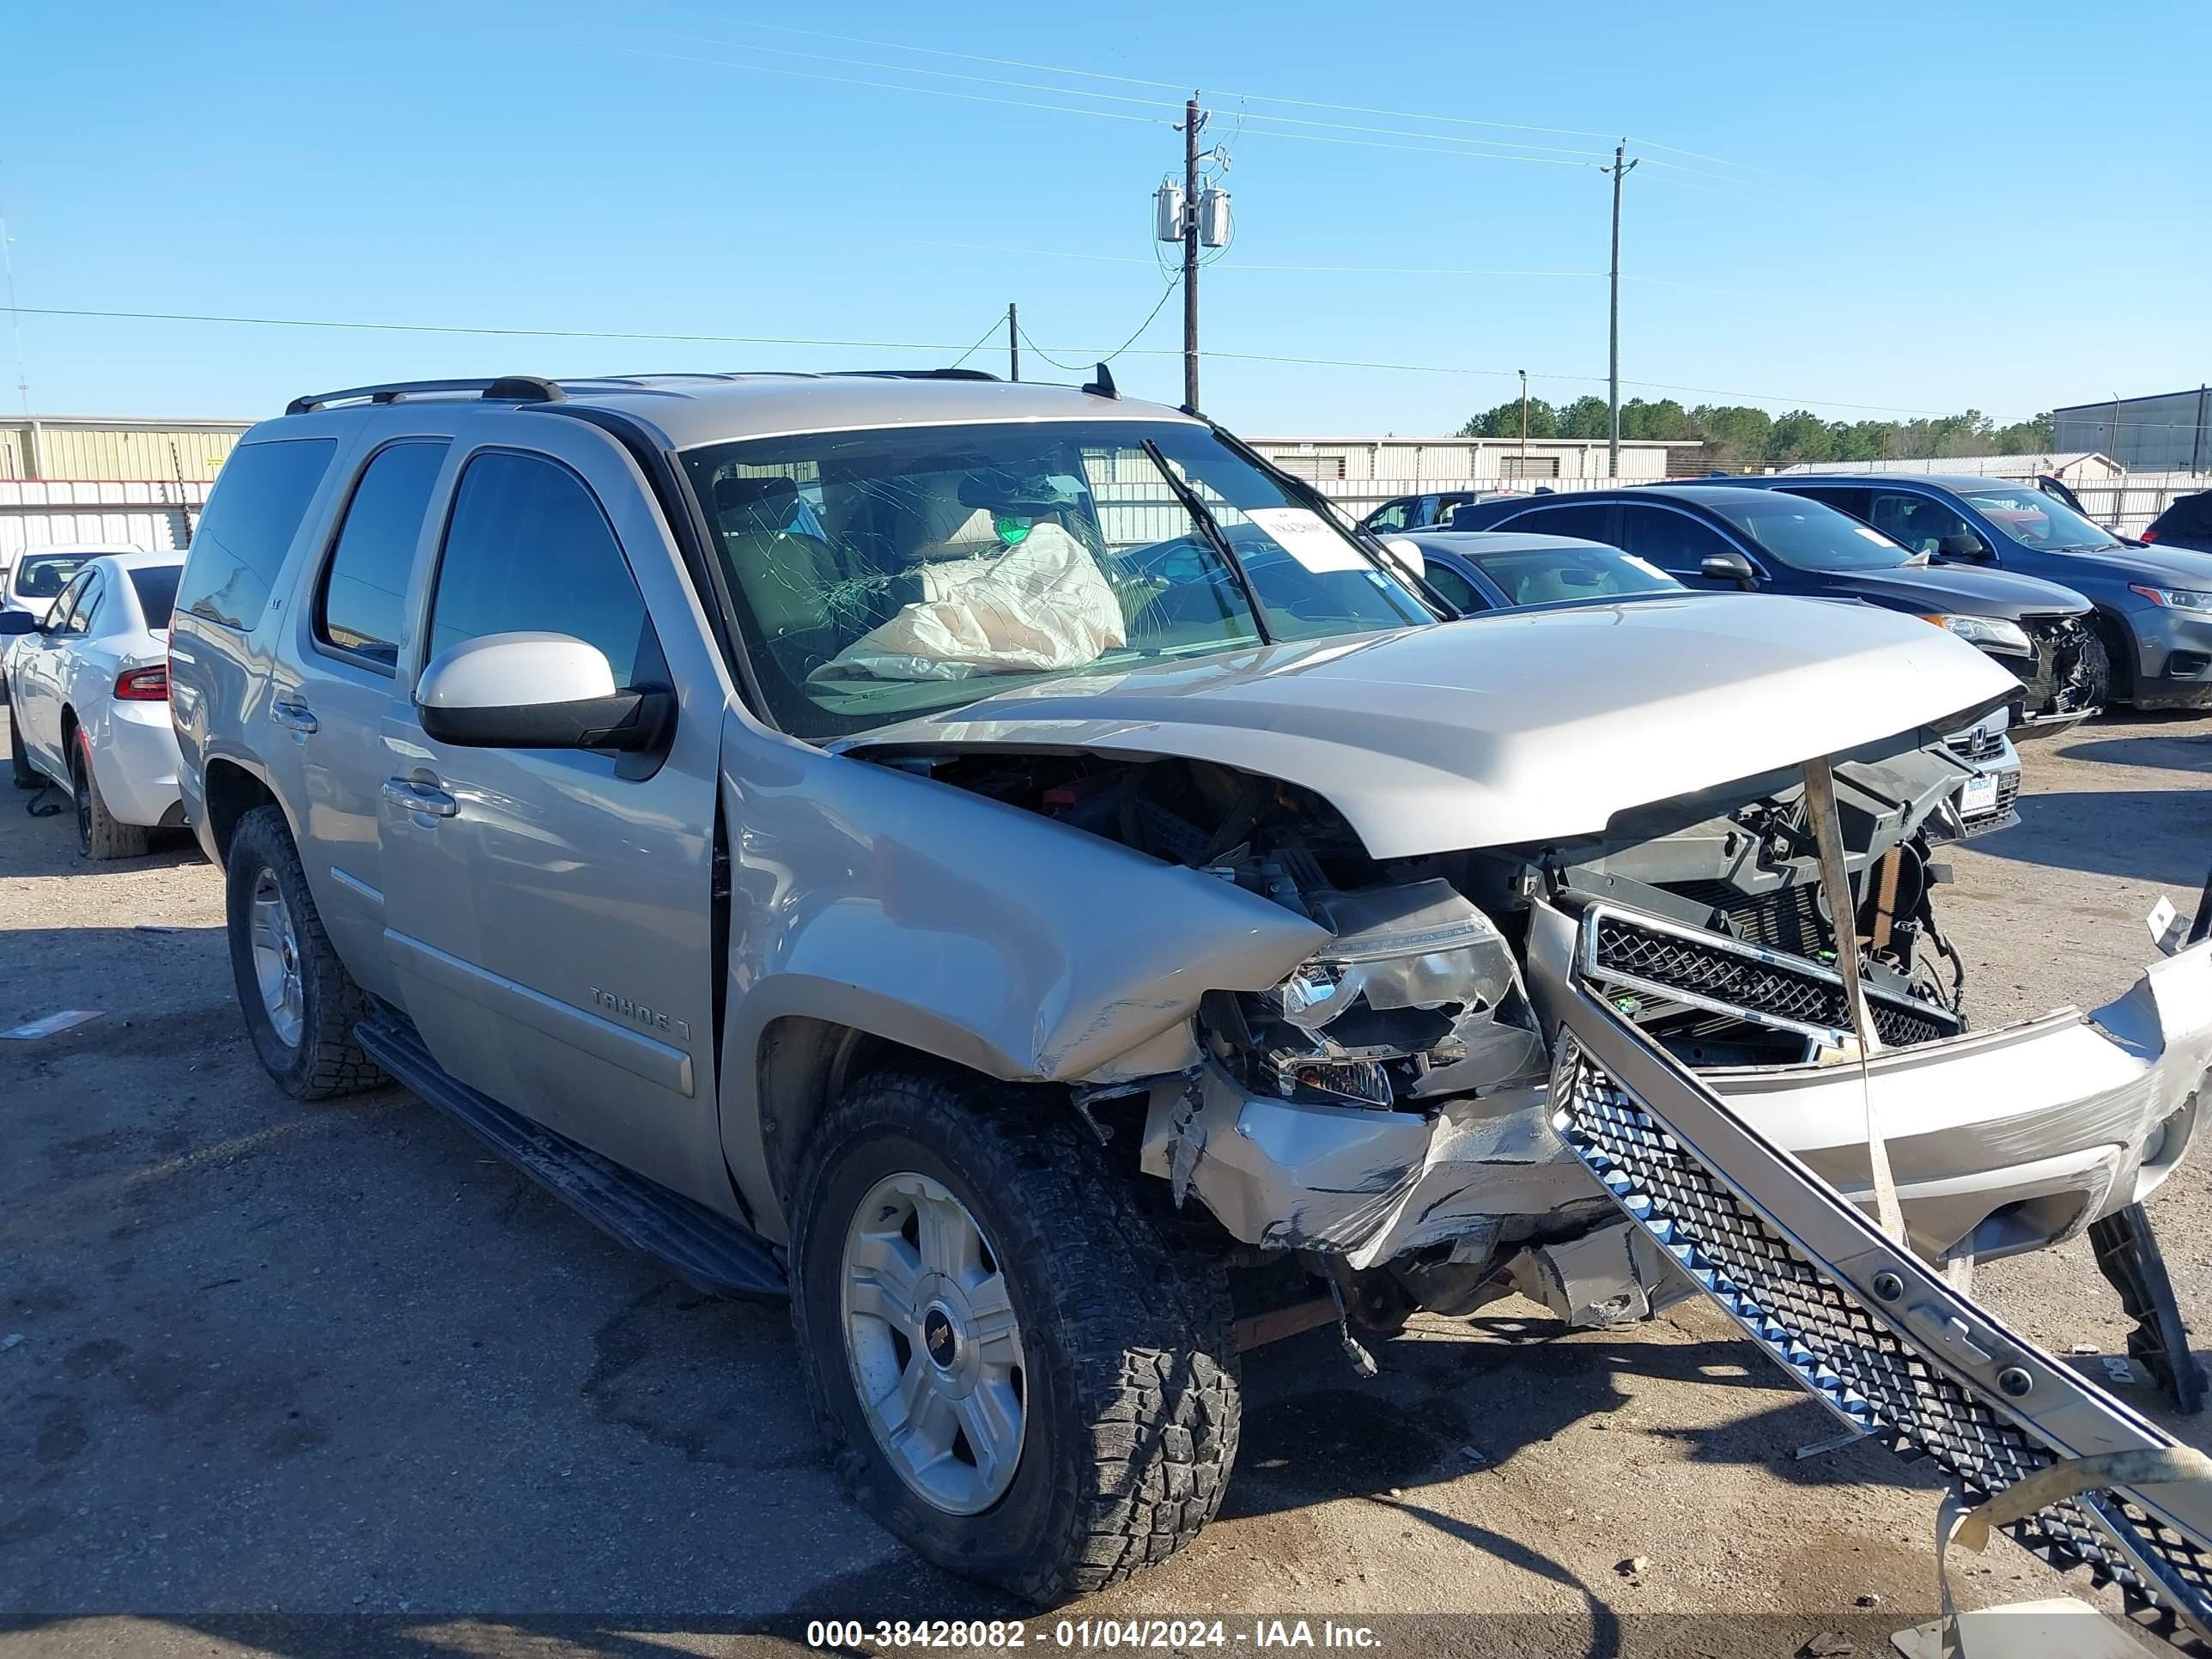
x,y
993,861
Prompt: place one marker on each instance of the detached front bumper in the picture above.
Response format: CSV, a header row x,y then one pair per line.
x,y
2001,1141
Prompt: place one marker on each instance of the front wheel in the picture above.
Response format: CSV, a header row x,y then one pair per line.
x,y
300,1005
1017,1377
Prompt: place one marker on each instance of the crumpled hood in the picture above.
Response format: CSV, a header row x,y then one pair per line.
x,y
1525,727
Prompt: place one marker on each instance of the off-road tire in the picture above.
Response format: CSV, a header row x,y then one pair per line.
x,y
326,1062
1131,1395
99,833
20,772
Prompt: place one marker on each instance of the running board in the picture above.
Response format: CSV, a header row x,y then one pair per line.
x,y
708,1251
1868,1328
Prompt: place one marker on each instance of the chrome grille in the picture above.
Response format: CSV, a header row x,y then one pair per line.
x,y
1853,1357
1707,970
1980,743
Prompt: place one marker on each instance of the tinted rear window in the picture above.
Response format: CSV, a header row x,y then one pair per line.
x,y
156,586
252,516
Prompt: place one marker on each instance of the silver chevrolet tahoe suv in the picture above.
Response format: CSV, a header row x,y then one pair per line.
x,y
1005,867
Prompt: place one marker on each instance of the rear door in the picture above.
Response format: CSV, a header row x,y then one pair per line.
x,y
331,688
547,912
1679,543
39,672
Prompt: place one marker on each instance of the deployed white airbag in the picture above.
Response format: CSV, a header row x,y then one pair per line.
x,y
1040,604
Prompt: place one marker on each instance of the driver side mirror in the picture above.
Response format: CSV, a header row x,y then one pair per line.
x,y
1964,544
537,691
14,623
1729,567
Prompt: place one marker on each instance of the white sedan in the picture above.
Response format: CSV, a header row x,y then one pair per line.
x,y
89,699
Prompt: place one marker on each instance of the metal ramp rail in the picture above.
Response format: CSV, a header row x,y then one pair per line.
x,y
1871,1329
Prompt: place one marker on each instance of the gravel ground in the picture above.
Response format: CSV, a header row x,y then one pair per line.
x,y
329,1380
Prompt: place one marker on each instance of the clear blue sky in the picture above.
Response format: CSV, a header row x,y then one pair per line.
x,y
1914,208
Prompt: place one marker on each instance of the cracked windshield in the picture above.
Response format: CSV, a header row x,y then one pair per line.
x,y
883,574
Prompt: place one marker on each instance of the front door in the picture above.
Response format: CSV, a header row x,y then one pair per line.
x,y
547,912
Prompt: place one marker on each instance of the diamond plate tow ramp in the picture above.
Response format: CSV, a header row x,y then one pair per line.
x,y
1869,1328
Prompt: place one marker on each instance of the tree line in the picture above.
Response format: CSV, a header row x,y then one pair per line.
x,y
1737,437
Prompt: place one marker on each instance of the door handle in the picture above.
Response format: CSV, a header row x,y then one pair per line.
x,y
293,714
419,797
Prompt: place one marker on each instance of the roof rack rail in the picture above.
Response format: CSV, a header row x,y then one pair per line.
x,y
517,388
914,373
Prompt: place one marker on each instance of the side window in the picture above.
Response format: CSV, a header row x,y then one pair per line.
x,y
1390,518
252,514
86,609
1916,522
359,608
1458,592
528,548
59,613
1588,519
1675,542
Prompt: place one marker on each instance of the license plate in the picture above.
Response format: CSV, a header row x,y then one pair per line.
x,y
1980,794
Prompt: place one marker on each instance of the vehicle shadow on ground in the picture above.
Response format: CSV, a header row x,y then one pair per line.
x,y
2168,841
55,853
2183,750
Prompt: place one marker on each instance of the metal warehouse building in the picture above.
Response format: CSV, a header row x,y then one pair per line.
x,y
2167,433
1399,465
106,478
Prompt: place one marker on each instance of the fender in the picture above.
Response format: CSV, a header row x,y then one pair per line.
x,y
993,938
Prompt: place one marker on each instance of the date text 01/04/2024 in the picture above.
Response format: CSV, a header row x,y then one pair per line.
x,y
1084,1634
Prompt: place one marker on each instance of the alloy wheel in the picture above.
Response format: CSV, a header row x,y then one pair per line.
x,y
934,1343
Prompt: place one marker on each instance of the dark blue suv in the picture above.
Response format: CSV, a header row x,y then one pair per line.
x,y
2154,603
1707,535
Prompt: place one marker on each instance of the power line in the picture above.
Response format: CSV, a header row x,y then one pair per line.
x,y
1062,109
940,345
1112,97
1139,80
1166,293
977,347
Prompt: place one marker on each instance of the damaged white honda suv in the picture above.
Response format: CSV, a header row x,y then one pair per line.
x,y
996,861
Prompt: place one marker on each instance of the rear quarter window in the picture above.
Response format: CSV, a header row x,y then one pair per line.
x,y
251,515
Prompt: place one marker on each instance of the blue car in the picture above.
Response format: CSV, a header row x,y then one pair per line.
x,y
2154,603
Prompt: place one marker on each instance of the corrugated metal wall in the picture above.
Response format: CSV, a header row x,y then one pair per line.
x,y
2171,432
96,452
146,515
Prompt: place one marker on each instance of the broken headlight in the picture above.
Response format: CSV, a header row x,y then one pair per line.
x,y
1416,995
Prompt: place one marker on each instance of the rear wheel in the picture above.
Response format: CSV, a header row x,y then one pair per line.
x,y
1017,1376
300,1005
99,833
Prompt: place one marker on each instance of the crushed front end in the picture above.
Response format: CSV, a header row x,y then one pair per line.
x,y
1385,1111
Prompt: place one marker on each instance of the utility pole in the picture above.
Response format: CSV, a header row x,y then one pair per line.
x,y
1014,344
1524,422
1620,169
1192,121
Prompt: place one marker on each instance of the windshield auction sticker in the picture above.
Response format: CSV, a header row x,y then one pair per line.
x,y
1300,533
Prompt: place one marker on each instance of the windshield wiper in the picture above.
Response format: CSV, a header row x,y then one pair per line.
x,y
1210,527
